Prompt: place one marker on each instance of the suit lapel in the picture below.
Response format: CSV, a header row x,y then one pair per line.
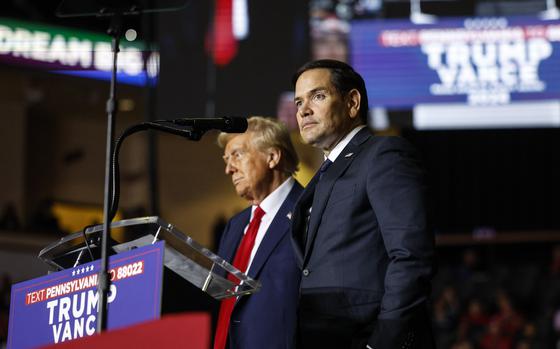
x,y
299,216
325,186
276,231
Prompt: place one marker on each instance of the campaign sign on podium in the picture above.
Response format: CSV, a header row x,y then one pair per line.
x,y
62,306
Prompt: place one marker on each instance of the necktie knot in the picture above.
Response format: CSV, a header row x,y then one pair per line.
x,y
258,214
324,166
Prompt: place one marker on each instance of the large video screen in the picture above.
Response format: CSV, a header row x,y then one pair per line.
x,y
475,61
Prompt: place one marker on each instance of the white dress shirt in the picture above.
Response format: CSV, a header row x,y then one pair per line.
x,y
335,152
270,205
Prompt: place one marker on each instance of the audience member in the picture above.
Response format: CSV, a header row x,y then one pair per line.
x,y
473,324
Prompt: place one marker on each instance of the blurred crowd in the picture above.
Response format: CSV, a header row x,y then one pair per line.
x,y
511,303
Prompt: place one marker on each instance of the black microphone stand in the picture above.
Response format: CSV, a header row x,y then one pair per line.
x,y
115,30
120,8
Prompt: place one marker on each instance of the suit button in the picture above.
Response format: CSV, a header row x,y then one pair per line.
x,y
305,272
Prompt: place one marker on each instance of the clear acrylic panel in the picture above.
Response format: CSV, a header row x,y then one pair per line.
x,y
183,255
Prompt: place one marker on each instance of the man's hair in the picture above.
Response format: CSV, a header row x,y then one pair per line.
x,y
343,77
268,133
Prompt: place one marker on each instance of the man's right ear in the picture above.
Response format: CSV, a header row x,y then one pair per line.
x,y
353,99
273,157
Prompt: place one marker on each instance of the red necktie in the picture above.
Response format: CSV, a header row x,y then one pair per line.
x,y
241,261
224,43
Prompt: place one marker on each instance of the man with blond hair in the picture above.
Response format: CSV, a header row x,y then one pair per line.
x,y
261,163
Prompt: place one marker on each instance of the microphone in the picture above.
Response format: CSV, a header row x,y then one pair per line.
x,y
227,124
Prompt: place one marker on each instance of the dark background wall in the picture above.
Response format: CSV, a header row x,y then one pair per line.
x,y
504,180
252,82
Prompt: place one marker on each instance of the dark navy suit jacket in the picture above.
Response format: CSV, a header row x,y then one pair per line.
x,y
367,259
267,318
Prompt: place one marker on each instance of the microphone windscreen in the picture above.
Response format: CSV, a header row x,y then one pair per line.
x,y
235,124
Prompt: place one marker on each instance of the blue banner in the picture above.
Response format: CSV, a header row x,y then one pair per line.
x,y
477,61
63,306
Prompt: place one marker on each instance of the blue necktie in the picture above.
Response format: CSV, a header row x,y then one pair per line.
x,y
324,167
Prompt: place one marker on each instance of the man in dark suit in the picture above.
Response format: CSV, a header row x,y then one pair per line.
x,y
359,229
261,163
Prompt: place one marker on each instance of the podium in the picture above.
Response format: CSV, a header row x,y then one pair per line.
x,y
183,255
62,305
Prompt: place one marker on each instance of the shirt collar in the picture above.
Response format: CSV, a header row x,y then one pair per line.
x,y
271,204
343,143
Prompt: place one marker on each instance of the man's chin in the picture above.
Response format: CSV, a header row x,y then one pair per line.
x,y
308,138
243,194
314,142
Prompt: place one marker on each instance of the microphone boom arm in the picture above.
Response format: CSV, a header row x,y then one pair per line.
x,y
164,126
192,129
